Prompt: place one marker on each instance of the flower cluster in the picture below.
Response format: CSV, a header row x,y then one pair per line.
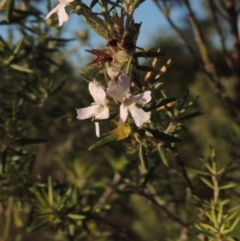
x,y
120,91
121,35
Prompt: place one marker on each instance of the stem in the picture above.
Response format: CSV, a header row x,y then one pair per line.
x,y
171,215
232,14
201,43
125,234
178,31
230,106
108,190
216,187
182,167
6,231
228,59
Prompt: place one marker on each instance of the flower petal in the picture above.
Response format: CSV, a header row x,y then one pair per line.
x,y
119,89
97,128
140,117
97,93
86,112
101,112
124,84
56,9
62,15
142,98
114,91
123,113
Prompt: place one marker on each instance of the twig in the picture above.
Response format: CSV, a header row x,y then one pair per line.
x,y
209,68
199,37
125,234
178,31
230,8
182,167
171,215
8,217
230,106
108,190
213,9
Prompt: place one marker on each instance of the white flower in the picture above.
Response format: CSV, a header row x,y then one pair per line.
x,y
60,9
98,109
120,90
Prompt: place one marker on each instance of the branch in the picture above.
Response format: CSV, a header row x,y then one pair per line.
x,y
209,68
232,13
170,215
124,233
228,59
181,165
184,40
8,219
199,37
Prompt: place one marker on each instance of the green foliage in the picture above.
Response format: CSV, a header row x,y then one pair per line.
x,y
156,182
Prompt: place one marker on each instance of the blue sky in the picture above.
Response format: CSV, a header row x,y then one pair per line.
x,y
153,22
153,25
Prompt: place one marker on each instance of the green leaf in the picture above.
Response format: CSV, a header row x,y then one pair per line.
x,y
60,40
194,171
198,228
207,226
185,97
58,88
227,186
93,3
21,68
26,13
209,184
161,136
31,141
96,27
163,156
40,195
4,46
158,103
148,54
144,68
158,85
234,239
76,216
66,197
234,224
37,226
18,46
137,3
50,191
143,156
4,156
104,142
9,8
191,115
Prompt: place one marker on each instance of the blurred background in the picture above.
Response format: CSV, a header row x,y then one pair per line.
x,y
41,108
